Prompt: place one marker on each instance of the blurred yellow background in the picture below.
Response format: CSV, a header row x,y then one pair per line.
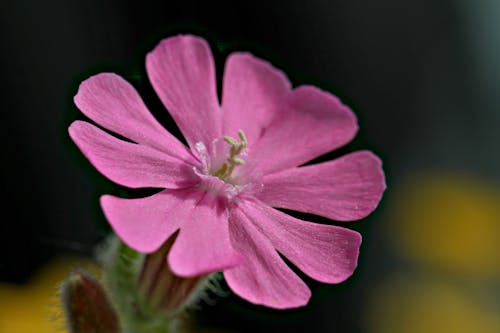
x,y
35,307
444,230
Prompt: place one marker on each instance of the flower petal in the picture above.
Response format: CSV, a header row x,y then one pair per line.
x,y
182,71
312,122
203,244
127,163
252,91
145,224
263,277
348,188
326,253
113,103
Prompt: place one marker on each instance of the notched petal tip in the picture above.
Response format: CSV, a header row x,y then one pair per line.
x,y
129,164
327,102
108,205
326,253
380,170
253,91
143,223
181,70
352,259
322,120
71,128
348,188
179,38
92,80
263,278
374,172
246,58
172,43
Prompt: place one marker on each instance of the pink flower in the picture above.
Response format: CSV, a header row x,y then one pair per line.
x,y
244,158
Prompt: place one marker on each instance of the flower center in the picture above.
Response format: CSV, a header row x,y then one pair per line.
x,y
233,160
223,171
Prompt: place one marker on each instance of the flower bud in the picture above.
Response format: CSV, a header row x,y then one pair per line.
x,y
87,307
160,289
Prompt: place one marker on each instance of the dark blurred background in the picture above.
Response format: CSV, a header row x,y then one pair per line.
x,y
422,77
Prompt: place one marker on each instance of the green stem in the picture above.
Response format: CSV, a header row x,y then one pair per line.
x,y
121,271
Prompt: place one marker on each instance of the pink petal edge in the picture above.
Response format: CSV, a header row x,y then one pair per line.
x,y
311,123
326,253
114,103
345,189
263,277
252,92
182,72
129,164
145,224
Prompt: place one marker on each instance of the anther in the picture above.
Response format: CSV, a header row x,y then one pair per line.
x,y
243,138
232,141
236,161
